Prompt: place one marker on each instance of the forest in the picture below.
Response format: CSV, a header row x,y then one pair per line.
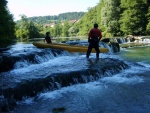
x,y
36,27
61,17
118,18
7,24
114,17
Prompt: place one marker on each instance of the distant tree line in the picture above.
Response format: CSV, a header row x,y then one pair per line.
x,y
61,17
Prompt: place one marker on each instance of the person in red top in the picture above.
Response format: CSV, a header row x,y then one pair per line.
x,y
94,37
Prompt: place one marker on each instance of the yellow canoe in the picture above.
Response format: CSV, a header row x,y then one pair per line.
x,y
67,47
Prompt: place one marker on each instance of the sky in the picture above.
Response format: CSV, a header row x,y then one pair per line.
x,y
32,8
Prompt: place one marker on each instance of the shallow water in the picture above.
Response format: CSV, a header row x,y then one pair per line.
x,y
136,54
125,92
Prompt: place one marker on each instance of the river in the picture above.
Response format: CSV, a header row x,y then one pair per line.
x,y
122,89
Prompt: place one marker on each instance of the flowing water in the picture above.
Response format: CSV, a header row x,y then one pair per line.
x,y
122,88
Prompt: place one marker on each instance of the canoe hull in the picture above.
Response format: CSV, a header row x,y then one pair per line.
x,y
67,47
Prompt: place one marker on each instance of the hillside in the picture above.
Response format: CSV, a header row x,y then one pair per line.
x,y
61,17
117,18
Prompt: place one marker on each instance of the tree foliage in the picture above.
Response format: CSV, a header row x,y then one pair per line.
x,y
87,21
110,15
26,29
6,23
65,29
55,18
57,30
133,19
117,17
148,18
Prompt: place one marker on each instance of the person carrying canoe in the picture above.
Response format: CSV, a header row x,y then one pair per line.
x,y
48,38
94,37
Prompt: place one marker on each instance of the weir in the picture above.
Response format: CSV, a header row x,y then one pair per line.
x,y
131,39
70,69
54,81
31,71
20,59
28,71
11,61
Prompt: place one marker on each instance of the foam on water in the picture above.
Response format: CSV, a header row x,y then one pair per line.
x,y
128,76
27,101
54,62
21,48
133,75
125,80
75,88
58,64
145,64
119,93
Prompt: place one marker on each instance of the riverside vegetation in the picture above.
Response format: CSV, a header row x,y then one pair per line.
x,y
115,18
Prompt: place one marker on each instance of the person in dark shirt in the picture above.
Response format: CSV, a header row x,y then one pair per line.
x,y
94,37
48,38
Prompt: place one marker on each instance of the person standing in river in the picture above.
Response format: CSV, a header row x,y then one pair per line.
x,y
94,37
48,38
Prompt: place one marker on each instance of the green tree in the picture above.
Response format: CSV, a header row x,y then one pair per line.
x,y
26,29
65,29
6,23
86,22
133,19
60,17
148,25
110,15
57,30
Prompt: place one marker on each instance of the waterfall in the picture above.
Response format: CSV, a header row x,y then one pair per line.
x,y
29,72
58,80
105,45
145,40
12,61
